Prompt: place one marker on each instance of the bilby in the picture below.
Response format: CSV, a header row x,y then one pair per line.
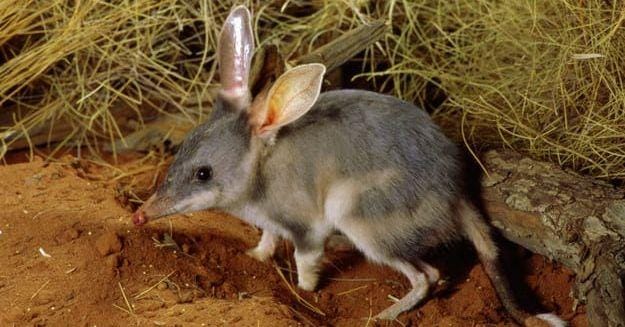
x,y
301,165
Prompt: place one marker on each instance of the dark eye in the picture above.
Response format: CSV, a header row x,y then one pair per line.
x,y
204,174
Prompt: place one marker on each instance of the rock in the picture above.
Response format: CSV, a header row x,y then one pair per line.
x,y
229,290
173,312
325,297
451,321
186,297
40,322
70,296
113,261
67,236
148,306
43,298
14,315
210,278
108,243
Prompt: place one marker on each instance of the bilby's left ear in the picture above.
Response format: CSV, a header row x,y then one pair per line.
x,y
235,49
290,97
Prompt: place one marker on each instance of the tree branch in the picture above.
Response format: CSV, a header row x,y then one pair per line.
x,y
572,219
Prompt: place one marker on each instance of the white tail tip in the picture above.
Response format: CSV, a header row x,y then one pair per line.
x,y
552,320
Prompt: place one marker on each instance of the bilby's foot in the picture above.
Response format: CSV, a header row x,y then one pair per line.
x,y
265,248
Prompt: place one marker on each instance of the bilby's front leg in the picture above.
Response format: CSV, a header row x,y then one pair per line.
x,y
266,246
308,255
308,264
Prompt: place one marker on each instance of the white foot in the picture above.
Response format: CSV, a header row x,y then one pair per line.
x,y
406,303
265,248
420,286
551,319
259,254
307,281
307,264
389,313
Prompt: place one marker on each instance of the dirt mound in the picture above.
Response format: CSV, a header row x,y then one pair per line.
x,y
69,255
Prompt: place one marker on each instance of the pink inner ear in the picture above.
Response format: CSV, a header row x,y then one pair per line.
x,y
236,45
258,110
272,117
240,43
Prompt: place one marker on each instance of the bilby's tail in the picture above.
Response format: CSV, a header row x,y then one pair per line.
x,y
479,234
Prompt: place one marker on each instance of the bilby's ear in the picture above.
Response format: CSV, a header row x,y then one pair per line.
x,y
289,98
236,46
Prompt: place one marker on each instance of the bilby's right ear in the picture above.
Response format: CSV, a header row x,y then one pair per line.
x,y
289,98
236,46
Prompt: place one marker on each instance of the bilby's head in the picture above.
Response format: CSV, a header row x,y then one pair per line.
x,y
216,164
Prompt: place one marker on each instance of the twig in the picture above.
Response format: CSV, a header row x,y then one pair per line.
x,y
303,317
352,290
39,290
392,298
122,309
140,295
130,309
346,46
353,279
299,298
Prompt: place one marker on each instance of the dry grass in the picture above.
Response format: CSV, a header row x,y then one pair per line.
x,y
543,77
128,305
143,293
77,64
299,298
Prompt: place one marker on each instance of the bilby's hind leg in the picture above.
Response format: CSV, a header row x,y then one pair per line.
x,y
339,242
420,286
266,246
431,272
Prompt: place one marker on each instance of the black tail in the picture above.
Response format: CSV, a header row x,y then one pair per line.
x,y
479,234
478,231
503,288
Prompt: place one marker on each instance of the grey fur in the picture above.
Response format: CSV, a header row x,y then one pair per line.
x,y
353,133
406,175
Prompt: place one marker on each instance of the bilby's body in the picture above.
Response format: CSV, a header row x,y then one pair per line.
x,y
326,171
301,165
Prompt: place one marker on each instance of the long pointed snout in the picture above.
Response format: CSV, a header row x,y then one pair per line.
x,y
152,208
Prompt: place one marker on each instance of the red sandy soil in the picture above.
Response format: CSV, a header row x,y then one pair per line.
x,y
99,264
